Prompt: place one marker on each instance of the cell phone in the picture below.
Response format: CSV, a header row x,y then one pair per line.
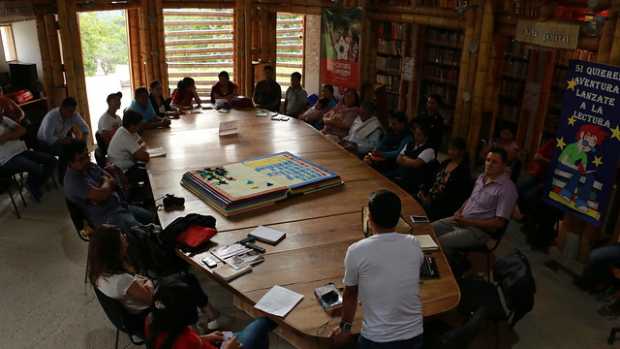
x,y
209,262
419,219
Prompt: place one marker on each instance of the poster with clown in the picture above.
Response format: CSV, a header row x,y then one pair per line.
x,y
585,160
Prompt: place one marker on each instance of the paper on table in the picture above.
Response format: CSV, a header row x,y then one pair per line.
x,y
267,235
426,242
279,301
156,152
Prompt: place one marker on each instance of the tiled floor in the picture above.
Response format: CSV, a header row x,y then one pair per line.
x,y
44,303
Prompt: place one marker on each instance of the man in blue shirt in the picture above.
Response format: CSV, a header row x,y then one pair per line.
x,y
142,105
59,127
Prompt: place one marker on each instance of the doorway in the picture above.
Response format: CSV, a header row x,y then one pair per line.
x,y
105,53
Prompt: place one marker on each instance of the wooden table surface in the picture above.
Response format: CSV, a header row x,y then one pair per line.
x,y
319,226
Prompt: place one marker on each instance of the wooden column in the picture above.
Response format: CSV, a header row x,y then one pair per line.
x,y
464,89
243,46
604,45
72,54
614,55
53,70
486,40
138,74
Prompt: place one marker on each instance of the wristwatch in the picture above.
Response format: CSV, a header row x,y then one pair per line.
x,y
345,327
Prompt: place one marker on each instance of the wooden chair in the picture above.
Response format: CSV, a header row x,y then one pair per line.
x,y
488,250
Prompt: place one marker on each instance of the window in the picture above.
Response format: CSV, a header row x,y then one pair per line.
x,y
289,47
200,44
8,43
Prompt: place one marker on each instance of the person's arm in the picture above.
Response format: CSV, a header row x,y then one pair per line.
x,y
79,121
141,154
490,224
349,303
406,161
283,108
16,132
103,192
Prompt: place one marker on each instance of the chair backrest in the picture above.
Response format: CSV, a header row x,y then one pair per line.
x,y
113,309
77,216
463,336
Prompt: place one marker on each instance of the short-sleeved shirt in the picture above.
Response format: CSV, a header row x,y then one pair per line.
x,y
76,187
54,127
426,155
496,198
147,112
116,286
218,89
296,101
122,147
109,122
386,270
11,148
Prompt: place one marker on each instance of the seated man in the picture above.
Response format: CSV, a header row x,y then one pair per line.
x,y
127,148
96,193
109,122
383,157
142,105
59,127
15,157
10,109
384,270
296,98
486,212
268,92
224,88
414,170
160,104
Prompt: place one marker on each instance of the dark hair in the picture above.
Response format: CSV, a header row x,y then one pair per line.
x,y
68,102
104,253
421,126
185,83
384,208
175,309
329,87
155,84
118,95
71,149
399,116
296,75
458,143
267,67
131,118
223,73
501,152
141,91
436,97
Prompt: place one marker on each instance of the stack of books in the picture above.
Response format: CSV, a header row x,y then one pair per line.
x,y
244,186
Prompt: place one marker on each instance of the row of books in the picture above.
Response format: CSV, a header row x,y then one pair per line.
x,y
391,31
511,88
509,112
391,82
443,56
583,55
389,47
389,64
448,95
515,68
449,75
452,4
451,37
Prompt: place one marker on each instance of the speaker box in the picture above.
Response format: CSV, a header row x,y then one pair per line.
x,y
24,75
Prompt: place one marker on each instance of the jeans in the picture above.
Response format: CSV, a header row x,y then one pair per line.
x,y
56,149
413,343
125,218
454,238
601,259
38,165
583,195
256,334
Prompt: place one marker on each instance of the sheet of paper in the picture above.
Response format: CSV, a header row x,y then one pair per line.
x,y
156,152
279,301
426,242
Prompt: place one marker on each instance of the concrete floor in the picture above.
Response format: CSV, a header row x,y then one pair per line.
x,y
44,303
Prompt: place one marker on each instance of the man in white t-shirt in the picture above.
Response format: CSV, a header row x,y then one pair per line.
x,y
126,147
384,271
109,122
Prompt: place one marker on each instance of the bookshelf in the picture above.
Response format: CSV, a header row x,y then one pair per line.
x,y
513,78
389,59
440,67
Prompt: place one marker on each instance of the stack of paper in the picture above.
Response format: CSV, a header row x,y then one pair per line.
x,y
228,128
279,301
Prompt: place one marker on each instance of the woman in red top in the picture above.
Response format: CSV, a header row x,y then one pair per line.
x,y
185,94
169,326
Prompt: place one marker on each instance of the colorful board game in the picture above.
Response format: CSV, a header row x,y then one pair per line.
x,y
240,187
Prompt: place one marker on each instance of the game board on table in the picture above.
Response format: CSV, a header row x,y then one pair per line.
x,y
247,185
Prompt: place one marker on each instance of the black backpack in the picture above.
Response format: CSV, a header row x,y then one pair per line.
x,y
514,277
149,255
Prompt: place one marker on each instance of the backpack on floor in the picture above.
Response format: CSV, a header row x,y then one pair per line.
x,y
514,278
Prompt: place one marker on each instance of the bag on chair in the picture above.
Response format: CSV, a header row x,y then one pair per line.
x,y
514,277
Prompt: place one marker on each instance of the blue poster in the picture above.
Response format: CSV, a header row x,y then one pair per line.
x,y
584,164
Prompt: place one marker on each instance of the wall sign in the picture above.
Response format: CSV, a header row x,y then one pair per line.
x,y
548,34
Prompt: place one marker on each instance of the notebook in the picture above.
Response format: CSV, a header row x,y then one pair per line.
x,y
156,152
228,273
228,128
267,235
427,243
279,301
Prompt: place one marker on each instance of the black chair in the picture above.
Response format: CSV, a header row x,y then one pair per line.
x,y
7,181
488,249
82,227
102,150
131,324
462,337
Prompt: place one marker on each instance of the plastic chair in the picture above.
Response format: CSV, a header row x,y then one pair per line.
x,y
80,222
121,318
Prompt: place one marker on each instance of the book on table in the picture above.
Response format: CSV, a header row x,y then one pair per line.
x,y
244,186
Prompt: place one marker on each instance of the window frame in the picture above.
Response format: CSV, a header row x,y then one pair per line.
x,y
10,41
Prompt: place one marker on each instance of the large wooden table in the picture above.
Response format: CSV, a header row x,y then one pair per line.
x,y
319,226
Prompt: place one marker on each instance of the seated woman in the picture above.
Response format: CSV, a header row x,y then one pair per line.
x,y
364,135
338,121
452,184
169,326
112,273
326,102
185,95
224,88
160,104
383,157
415,161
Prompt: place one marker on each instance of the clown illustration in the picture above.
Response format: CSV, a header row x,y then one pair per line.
x,y
574,160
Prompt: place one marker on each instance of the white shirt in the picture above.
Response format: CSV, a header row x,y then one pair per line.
x,y
9,149
122,147
426,155
386,270
116,286
108,122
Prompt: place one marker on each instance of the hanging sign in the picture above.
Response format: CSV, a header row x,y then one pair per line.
x,y
548,34
583,167
340,46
